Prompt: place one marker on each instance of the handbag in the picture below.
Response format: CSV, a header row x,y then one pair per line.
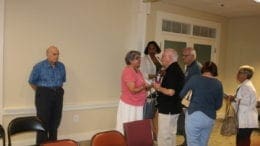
x,y
230,123
186,99
150,106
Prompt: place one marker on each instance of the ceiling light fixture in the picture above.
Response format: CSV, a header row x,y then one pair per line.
x,y
258,1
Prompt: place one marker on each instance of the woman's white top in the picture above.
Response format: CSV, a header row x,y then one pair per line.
x,y
247,112
148,67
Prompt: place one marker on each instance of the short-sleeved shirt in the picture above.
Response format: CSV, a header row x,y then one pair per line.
x,y
173,79
46,75
130,75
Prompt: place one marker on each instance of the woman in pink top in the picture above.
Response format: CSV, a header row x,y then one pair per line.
x,y
133,91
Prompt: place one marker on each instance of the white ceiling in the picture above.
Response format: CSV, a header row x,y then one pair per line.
x,y
226,8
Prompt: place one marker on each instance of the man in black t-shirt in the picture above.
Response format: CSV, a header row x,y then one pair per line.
x,y
169,105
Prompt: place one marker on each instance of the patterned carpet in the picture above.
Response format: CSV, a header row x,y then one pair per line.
x,y
215,139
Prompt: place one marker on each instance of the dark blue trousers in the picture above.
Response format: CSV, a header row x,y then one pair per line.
x,y
49,102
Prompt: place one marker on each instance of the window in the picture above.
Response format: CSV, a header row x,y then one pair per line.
x,y
184,28
204,31
176,27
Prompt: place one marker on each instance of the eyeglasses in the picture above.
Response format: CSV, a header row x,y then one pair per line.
x,y
242,72
185,55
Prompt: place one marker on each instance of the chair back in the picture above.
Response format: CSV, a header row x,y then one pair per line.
x,y
63,142
2,134
108,138
138,133
24,124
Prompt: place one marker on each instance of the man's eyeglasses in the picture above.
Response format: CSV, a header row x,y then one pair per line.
x,y
185,55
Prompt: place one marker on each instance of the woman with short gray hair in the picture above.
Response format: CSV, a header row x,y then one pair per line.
x,y
247,70
245,103
132,55
133,91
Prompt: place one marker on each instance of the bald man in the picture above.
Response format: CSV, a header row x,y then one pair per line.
x,y
192,67
169,105
47,78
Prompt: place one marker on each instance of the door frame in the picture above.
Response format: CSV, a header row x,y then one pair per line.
x,y
160,35
2,10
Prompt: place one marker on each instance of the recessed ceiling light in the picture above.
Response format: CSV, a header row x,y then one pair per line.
x,y
258,1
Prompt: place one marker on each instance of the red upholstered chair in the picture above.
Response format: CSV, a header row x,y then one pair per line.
x,y
63,142
138,133
108,138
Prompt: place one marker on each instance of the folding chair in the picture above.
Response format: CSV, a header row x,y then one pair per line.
x,y
24,124
138,133
108,138
63,142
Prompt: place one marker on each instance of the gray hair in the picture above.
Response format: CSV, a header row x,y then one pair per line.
x,y
248,70
173,53
131,55
192,51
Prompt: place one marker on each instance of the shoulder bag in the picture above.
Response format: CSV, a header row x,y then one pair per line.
x,y
230,123
150,106
186,99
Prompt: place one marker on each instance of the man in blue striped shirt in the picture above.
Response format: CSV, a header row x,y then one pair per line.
x,y
47,78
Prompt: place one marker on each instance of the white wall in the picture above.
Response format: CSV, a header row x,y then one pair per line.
x,y
93,37
243,49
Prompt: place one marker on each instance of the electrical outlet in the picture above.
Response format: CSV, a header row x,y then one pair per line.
x,y
76,118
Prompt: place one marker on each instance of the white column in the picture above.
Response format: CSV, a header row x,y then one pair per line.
x,y
144,9
1,58
137,28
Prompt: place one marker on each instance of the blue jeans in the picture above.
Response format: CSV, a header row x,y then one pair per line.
x,y
198,127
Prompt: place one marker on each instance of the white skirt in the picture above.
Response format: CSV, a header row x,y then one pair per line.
x,y
127,113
